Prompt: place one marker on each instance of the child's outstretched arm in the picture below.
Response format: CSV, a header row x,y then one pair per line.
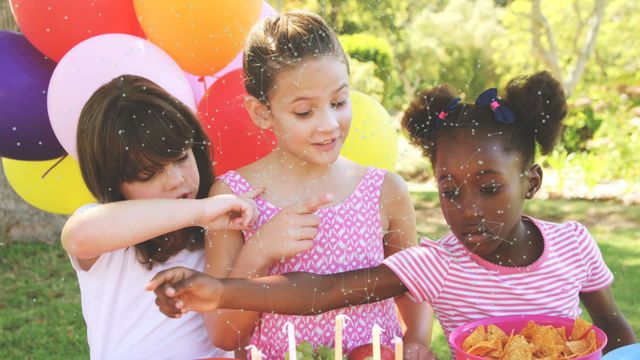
x,y
606,315
296,293
107,227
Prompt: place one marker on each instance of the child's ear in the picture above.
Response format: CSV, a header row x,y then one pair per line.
x,y
534,180
259,112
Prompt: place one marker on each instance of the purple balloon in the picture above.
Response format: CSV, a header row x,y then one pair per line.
x,y
25,131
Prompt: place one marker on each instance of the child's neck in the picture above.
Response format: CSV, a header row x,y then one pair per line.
x,y
525,246
297,168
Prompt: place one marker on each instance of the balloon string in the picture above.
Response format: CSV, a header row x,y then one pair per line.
x,y
53,166
203,80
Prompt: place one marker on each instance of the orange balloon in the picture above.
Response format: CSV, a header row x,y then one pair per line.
x,y
202,36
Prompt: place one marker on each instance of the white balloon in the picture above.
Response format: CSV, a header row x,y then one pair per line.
x,y
96,61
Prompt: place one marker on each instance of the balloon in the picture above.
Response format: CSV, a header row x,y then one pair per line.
x,y
236,140
97,61
201,35
57,189
267,10
25,131
200,84
55,26
373,139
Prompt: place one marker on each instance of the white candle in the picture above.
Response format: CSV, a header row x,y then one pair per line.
x,y
340,322
376,341
288,327
255,353
398,342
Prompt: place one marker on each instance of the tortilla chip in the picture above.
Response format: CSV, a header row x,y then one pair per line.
x,y
563,333
478,335
547,342
592,341
482,348
577,347
494,332
518,349
527,331
580,329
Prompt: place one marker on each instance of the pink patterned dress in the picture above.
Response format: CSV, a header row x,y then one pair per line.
x,y
350,237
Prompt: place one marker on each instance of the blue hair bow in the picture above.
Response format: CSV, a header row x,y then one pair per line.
x,y
490,97
442,115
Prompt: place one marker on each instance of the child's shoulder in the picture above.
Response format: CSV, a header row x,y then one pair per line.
x,y
351,169
250,172
569,231
554,227
393,186
229,183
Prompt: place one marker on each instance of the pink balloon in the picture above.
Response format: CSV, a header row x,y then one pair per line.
x,y
199,85
98,60
267,10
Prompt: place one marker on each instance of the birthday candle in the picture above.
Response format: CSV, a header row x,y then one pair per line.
x,y
255,353
376,341
398,342
292,340
340,322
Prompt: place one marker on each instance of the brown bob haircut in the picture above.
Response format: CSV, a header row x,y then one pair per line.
x,y
130,127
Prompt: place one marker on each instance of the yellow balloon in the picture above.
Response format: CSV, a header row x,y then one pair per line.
x,y
373,138
202,36
60,191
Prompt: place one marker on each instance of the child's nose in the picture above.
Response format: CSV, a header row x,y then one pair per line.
x,y
470,209
329,120
173,177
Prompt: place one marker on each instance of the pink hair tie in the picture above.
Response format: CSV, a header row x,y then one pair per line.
x,y
494,105
450,107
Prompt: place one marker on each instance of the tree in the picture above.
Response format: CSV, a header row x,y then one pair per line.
x,y
6,18
549,53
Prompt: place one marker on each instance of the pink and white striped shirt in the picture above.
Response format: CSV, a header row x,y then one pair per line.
x,y
463,287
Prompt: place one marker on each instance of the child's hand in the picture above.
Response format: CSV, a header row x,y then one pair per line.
x,y
291,231
415,351
179,290
231,212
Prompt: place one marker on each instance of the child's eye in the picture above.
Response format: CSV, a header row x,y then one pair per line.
x,y
492,189
302,114
450,194
183,159
338,104
144,177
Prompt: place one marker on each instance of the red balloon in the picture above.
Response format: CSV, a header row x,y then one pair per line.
x,y
235,140
55,26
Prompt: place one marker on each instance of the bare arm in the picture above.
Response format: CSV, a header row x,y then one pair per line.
x,y
606,315
293,293
88,234
112,226
396,206
116,225
225,256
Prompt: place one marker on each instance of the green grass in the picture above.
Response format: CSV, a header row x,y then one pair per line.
x,y
616,228
40,314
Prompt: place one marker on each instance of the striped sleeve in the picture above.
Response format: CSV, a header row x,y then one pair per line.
x,y
598,275
422,269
